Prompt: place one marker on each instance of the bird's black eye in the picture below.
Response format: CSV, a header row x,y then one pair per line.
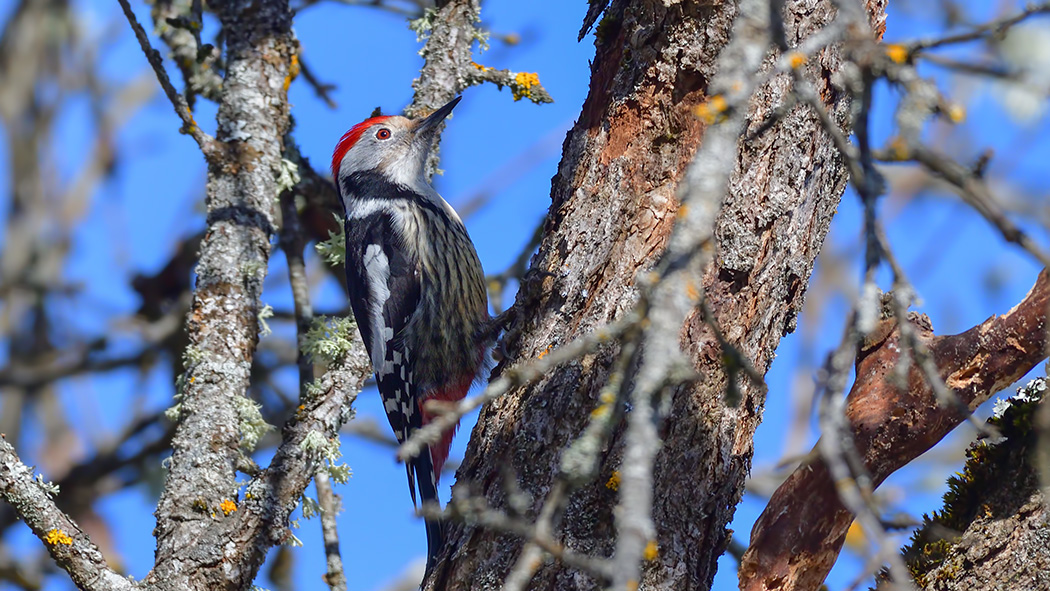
x,y
383,134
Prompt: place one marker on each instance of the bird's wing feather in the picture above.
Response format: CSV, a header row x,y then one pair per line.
x,y
383,280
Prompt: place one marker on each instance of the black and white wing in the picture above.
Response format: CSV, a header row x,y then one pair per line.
x,y
383,280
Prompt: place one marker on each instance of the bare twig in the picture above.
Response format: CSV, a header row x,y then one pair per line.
x,y
323,90
532,553
292,244
330,505
474,510
993,28
839,452
974,190
182,109
512,377
916,348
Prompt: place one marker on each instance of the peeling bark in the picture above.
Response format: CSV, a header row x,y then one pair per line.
x,y
798,537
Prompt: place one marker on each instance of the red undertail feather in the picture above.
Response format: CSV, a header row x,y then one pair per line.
x,y
348,140
454,392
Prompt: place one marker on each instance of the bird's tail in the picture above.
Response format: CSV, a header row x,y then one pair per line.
x,y
426,479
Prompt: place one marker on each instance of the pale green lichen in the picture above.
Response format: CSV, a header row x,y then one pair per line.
x,y
250,422
174,413
482,37
311,508
314,389
264,327
319,447
329,339
339,473
192,356
424,24
253,270
333,250
322,449
49,488
287,176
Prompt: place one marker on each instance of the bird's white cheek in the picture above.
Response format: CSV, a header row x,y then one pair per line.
x,y
407,170
362,156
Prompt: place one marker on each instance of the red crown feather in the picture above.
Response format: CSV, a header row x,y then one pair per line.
x,y
348,140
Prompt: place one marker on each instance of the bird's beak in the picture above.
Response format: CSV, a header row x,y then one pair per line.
x,y
429,124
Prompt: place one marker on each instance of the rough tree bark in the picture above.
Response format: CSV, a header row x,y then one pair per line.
x,y
992,534
797,539
223,323
613,208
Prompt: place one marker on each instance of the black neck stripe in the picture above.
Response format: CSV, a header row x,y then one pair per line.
x,y
370,184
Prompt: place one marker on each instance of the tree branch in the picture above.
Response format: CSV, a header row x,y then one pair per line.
x,y
449,67
292,244
198,504
70,547
799,534
182,109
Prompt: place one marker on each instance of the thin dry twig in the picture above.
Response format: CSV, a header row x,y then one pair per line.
x,y
839,452
990,29
335,576
511,378
474,510
206,142
291,240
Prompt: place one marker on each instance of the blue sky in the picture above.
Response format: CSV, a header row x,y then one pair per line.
x,y
959,265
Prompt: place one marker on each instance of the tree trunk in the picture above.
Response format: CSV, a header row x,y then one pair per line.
x,y
992,534
613,208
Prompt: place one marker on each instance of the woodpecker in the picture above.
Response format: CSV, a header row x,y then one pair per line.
x,y
415,283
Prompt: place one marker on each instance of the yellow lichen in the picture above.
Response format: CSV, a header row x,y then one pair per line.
x,y
57,536
796,59
651,550
897,52
711,110
899,148
544,353
956,113
855,539
523,83
692,291
227,506
614,481
293,71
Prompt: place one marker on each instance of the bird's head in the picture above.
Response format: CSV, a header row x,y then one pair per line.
x,y
393,146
